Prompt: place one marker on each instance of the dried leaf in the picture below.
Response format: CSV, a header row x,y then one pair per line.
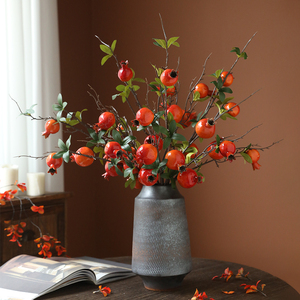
x,y
104,290
228,292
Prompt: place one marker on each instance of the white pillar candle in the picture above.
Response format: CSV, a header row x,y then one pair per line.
x,y
35,184
9,174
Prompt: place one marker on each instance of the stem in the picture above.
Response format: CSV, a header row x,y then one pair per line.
x,y
235,62
166,40
218,115
200,78
115,57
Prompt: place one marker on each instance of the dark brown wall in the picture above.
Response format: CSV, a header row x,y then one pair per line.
x,y
237,214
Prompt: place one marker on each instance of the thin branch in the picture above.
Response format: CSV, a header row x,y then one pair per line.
x,y
165,36
218,115
200,78
115,57
235,62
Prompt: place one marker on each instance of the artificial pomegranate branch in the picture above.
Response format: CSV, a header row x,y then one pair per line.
x,y
165,156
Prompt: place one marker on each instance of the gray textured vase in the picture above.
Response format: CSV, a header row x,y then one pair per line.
x,y
161,253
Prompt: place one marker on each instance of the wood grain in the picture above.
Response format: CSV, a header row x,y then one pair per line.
x,y
200,278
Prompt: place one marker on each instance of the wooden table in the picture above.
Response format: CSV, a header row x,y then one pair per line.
x,y
200,278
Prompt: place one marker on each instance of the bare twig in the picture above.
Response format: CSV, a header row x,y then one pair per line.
x,y
165,36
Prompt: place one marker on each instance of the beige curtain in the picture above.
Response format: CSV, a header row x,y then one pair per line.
x,y
29,73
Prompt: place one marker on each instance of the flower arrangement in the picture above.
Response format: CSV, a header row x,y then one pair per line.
x,y
165,155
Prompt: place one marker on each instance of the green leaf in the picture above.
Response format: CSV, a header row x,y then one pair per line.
x,y
135,87
247,148
113,45
160,43
155,127
140,128
72,122
132,184
59,99
127,172
128,139
98,149
78,114
170,117
218,139
68,142
29,111
56,107
120,88
106,49
231,117
246,157
162,163
119,172
90,144
188,157
58,154
178,137
167,142
62,145
201,99
165,176
164,130
172,40
221,96
66,156
179,125
244,55
126,147
139,80
217,73
228,99
104,59
117,136
158,81
226,90
196,96
236,50
199,116
173,183
172,126
113,97
128,182
93,134
176,44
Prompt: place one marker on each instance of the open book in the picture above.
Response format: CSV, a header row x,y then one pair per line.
x,y
26,277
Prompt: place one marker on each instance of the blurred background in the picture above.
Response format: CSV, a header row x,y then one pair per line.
x,y
239,215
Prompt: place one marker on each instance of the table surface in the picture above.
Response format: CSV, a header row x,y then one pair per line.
x,y
200,277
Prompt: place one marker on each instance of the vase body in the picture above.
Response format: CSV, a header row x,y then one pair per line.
x,y
161,253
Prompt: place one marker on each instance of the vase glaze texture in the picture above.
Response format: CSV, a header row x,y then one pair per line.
x,y
161,253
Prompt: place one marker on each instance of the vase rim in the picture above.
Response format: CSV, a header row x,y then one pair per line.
x,y
159,192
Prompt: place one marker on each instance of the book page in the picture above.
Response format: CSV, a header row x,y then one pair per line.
x,y
31,274
6,294
27,277
102,268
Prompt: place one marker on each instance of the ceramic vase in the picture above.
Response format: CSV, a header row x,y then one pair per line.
x,y
161,253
